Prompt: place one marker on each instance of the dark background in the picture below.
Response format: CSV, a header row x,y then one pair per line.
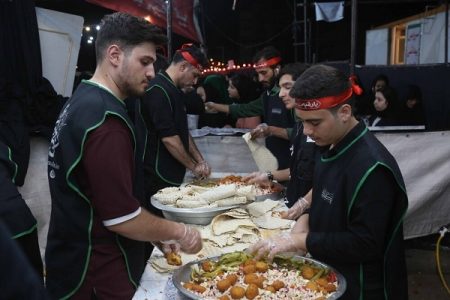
x,y
238,34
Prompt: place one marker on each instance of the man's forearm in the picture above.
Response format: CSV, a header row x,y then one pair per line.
x,y
193,150
176,149
281,175
148,227
279,132
220,107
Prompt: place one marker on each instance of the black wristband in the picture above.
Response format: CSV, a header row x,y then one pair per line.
x,y
269,176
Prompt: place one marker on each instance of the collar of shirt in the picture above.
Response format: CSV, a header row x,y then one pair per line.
x,y
351,136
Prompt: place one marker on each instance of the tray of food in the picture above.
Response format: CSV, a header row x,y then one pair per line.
x,y
197,202
238,276
274,192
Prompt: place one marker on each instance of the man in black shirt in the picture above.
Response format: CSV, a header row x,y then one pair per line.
x,y
170,148
359,197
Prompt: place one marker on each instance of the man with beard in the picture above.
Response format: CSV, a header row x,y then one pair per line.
x,y
97,226
171,149
275,115
303,152
355,223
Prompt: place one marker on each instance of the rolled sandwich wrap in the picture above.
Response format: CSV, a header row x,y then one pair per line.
x,y
169,190
168,198
264,159
219,192
247,191
231,201
191,203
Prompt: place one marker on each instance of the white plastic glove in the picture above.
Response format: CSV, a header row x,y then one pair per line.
x,y
296,210
284,242
190,242
206,169
257,177
168,248
202,169
262,130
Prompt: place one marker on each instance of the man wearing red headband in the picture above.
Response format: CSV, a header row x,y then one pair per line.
x,y
355,222
268,105
171,149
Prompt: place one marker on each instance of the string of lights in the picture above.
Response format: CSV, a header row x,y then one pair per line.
x,y
217,67
90,31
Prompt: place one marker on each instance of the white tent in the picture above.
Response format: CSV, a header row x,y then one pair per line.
x,y
421,40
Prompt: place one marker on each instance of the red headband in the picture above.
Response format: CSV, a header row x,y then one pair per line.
x,y
329,101
268,63
189,58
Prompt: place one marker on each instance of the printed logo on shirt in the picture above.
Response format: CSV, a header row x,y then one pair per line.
x,y
54,142
327,196
276,111
292,149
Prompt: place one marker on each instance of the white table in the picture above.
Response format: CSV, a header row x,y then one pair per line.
x,y
156,286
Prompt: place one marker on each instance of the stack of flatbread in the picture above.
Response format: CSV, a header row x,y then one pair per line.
x,y
265,214
191,196
234,230
231,231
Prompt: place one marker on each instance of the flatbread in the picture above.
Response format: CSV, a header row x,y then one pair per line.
x,y
247,191
257,209
267,221
231,201
237,213
219,192
218,240
169,190
223,223
167,198
264,159
191,203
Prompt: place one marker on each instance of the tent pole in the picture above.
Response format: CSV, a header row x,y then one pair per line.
x,y
353,36
446,32
169,29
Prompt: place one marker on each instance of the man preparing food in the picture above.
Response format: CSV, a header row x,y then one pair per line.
x,y
359,197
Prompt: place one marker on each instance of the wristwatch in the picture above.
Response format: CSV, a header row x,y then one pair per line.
x,y
269,175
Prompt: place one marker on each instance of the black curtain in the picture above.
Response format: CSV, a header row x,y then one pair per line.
x,y
28,102
20,51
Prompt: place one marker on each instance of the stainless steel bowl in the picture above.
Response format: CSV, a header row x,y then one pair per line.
x,y
183,274
199,216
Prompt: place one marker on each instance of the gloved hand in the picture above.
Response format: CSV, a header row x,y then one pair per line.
x,y
190,242
206,169
284,242
202,169
262,130
168,248
257,177
296,210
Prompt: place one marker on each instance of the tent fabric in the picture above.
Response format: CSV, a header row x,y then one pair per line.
x,y
424,160
329,11
183,18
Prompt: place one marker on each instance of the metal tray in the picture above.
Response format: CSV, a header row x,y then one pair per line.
x,y
199,215
183,275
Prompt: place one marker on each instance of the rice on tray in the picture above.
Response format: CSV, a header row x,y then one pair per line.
x,y
272,282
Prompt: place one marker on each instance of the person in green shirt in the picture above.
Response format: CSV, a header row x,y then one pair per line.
x,y
275,115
